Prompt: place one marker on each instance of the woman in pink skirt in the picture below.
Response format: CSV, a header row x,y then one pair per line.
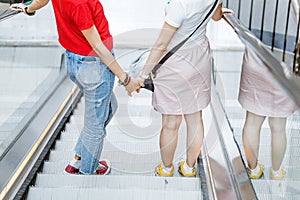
x,y
182,84
261,96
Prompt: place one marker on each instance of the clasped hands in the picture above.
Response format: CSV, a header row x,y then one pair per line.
x,y
134,84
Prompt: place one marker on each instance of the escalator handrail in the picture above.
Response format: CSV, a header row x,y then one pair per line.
x,y
8,13
12,186
280,71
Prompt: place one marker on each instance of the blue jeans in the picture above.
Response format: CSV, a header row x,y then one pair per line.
x,y
96,81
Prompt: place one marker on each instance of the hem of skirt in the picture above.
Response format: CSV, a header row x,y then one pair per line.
x,y
182,113
267,112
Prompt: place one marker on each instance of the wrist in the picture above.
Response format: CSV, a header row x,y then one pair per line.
x,y
28,11
125,79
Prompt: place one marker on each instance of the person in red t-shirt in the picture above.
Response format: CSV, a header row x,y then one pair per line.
x,y
83,31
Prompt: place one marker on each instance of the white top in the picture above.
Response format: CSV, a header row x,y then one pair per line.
x,y
187,15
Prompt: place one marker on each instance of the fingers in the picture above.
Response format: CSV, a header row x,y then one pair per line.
x,y
134,85
141,82
227,11
18,6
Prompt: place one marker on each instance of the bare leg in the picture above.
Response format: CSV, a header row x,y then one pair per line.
x,y
277,126
168,138
251,137
76,157
195,134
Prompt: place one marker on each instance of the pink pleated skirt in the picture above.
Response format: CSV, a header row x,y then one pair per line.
x,y
260,93
182,84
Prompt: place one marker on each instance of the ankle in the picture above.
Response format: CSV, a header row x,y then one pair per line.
x,y
167,169
76,157
256,170
187,168
75,163
275,172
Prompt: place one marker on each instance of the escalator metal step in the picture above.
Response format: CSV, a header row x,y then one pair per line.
x,y
292,173
112,155
132,176
117,168
277,187
36,193
133,147
264,196
118,182
122,162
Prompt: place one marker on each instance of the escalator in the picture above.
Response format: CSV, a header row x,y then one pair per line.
x,y
131,177
44,144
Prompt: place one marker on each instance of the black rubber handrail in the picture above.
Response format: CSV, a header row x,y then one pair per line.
x,y
11,12
8,13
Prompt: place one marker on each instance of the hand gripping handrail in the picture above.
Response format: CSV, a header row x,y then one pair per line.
x,y
11,12
280,71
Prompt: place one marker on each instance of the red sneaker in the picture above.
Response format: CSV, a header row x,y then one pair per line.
x,y
104,167
71,170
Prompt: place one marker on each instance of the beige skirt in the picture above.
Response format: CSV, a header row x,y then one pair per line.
x,y
182,84
260,93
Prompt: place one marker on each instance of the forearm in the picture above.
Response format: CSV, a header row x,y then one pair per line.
x,y
156,53
218,13
159,48
36,5
93,37
104,54
107,58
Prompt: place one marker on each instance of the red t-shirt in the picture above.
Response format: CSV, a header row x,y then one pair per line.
x,y
73,16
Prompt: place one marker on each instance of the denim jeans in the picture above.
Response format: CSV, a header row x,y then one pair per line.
x,y
96,81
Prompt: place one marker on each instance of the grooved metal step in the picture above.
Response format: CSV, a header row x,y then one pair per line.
x,y
276,186
118,182
264,196
113,156
36,193
136,147
118,168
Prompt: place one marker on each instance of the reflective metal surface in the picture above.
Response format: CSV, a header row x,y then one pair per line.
x,y
265,188
26,81
279,70
3,6
227,171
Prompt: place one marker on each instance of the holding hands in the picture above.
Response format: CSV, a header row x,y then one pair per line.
x,y
131,84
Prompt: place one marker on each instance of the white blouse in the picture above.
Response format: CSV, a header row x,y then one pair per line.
x,y
186,15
